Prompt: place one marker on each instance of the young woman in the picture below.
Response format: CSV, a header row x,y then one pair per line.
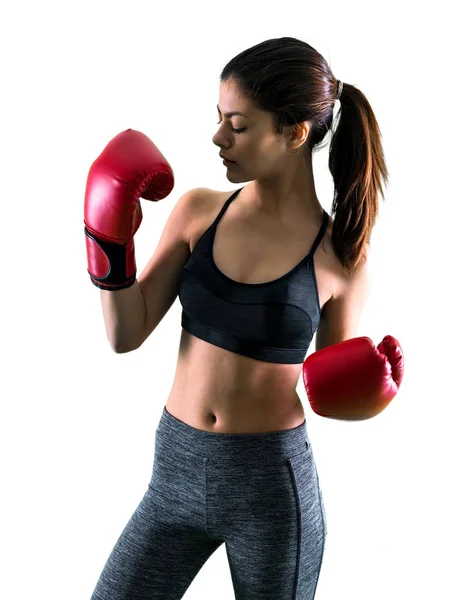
x,y
258,272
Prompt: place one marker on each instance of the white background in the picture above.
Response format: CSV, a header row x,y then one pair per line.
x,y
78,421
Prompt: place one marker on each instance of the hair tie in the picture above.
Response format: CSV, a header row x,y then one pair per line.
x,y
339,89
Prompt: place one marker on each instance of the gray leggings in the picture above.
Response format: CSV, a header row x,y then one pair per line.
x,y
258,493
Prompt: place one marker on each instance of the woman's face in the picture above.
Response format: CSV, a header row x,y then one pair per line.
x,y
248,138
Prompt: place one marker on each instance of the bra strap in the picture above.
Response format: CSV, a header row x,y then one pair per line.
x,y
326,219
225,205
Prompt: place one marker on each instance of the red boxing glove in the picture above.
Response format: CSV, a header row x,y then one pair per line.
x,y
353,380
130,167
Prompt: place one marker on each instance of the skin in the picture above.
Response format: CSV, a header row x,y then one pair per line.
x,y
278,167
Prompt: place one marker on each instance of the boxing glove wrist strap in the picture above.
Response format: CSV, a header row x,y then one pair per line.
x,y
111,266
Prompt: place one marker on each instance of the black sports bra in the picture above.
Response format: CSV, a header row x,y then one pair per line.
x,y
273,321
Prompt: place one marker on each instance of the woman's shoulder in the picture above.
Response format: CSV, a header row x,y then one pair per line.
x,y
205,205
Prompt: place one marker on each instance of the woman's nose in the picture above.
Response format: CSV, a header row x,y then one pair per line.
x,y
220,139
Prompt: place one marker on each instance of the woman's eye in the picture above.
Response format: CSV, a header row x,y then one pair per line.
x,y
235,130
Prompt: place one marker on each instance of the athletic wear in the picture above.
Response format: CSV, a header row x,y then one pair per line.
x,y
257,493
273,321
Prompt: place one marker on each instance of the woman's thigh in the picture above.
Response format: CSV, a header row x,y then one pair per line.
x,y
273,521
161,549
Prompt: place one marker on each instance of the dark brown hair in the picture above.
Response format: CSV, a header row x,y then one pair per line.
x,y
291,80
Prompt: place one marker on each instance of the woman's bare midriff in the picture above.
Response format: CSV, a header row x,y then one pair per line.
x,y
223,392
217,390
